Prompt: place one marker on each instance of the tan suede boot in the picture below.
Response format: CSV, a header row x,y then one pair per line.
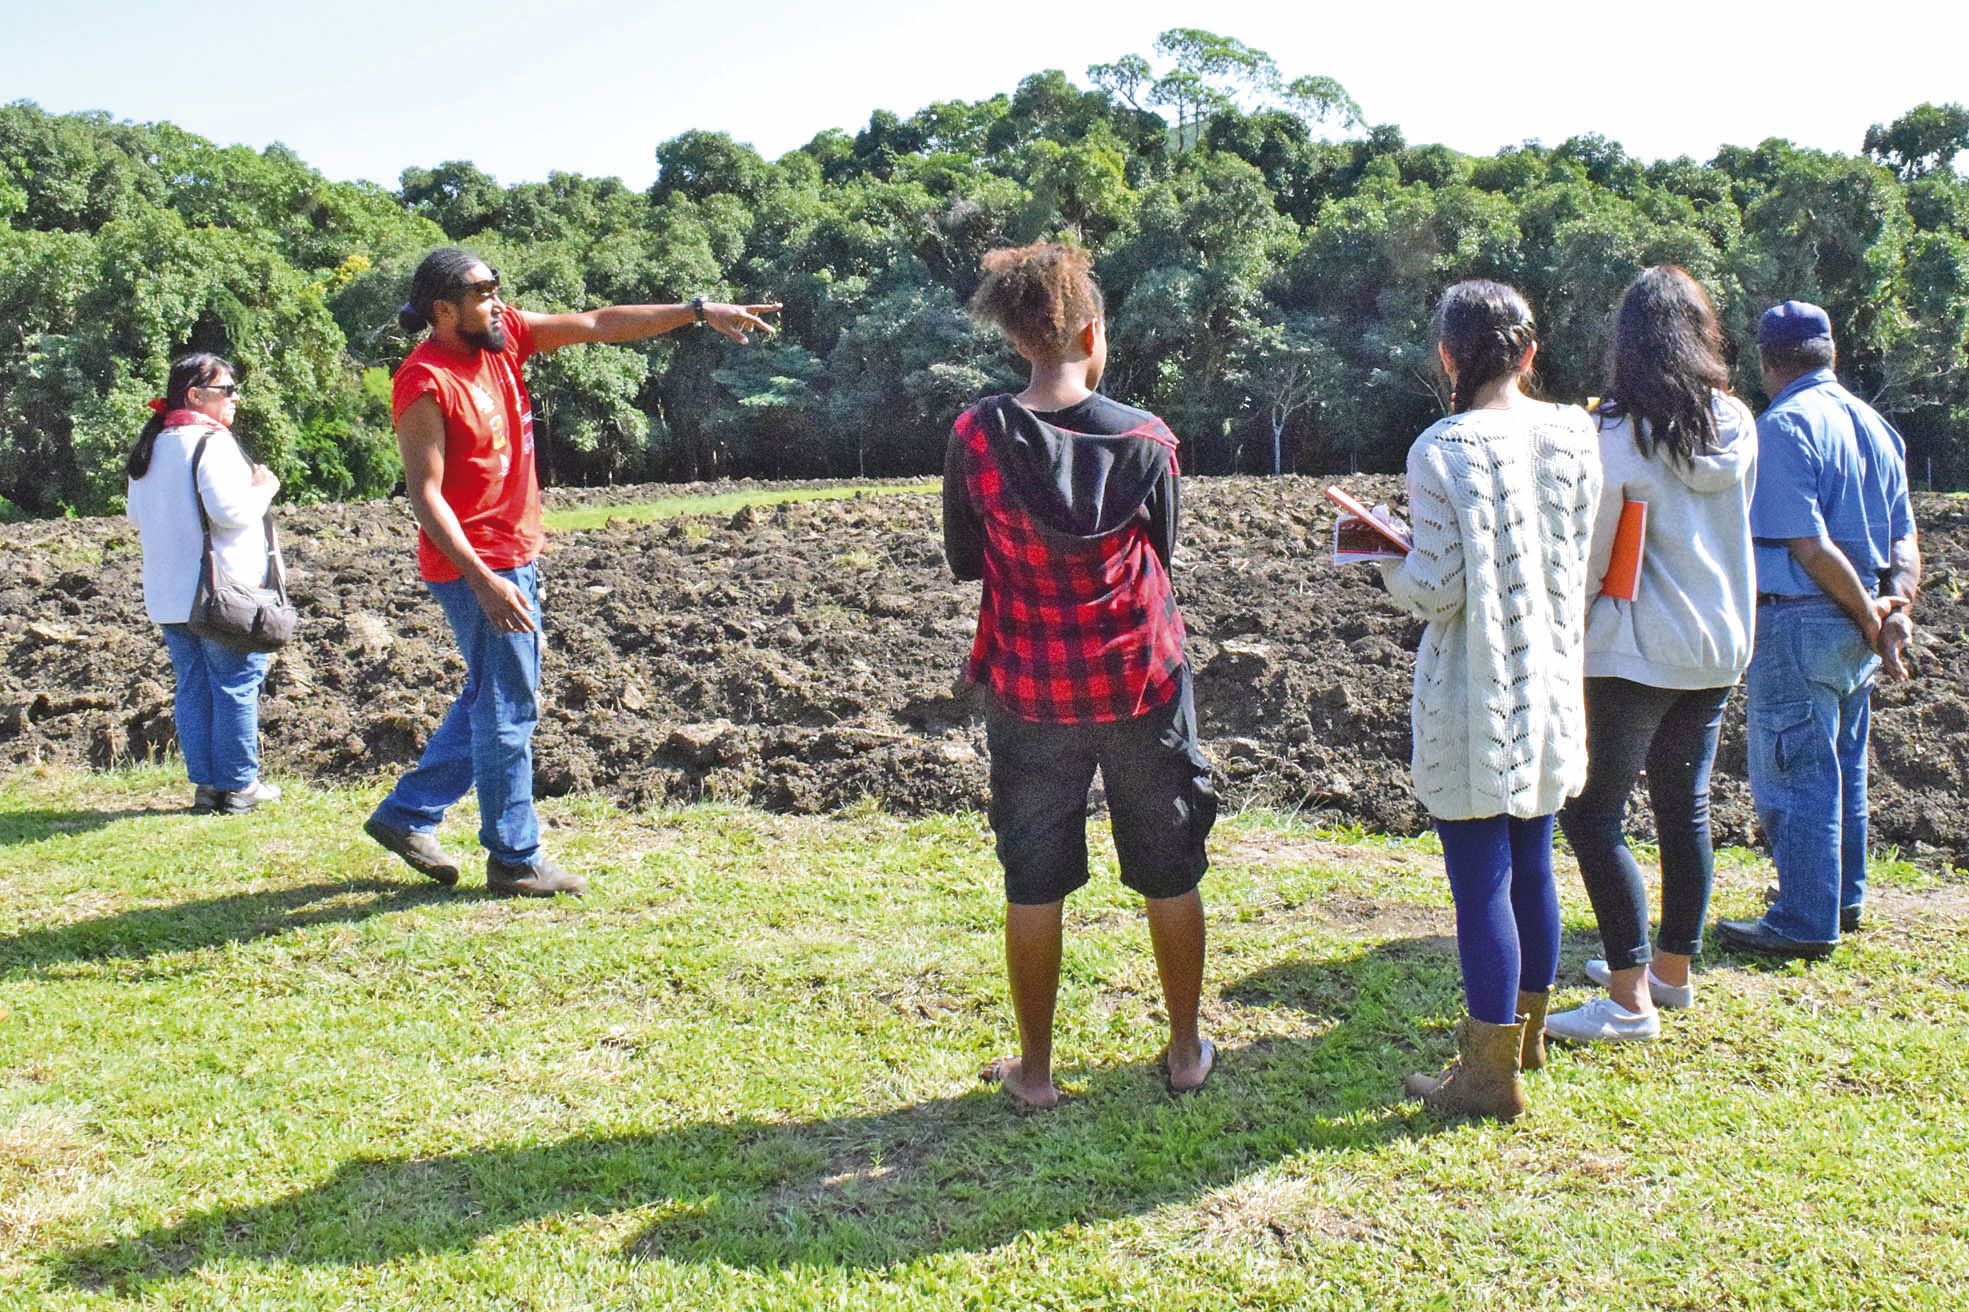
x,y
1483,1080
1531,1010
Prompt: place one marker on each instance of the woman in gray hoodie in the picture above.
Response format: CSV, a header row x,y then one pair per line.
x,y
1660,665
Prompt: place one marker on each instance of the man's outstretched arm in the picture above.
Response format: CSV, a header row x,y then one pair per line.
x,y
629,323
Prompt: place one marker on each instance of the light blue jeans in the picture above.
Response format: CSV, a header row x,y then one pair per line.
x,y
217,708
1808,690
486,739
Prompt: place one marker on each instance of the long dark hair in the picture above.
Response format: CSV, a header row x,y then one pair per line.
x,y
187,372
440,276
1665,363
1486,327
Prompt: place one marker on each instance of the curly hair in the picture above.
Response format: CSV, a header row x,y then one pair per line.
x,y
1486,327
1039,295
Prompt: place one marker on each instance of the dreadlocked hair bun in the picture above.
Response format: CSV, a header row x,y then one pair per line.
x,y
1039,295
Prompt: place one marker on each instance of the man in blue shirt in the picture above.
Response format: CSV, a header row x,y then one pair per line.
x,y
1837,572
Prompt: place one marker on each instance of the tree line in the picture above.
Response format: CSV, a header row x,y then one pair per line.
x,y
1268,287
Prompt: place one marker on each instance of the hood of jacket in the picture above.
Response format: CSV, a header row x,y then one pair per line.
x,y
1079,485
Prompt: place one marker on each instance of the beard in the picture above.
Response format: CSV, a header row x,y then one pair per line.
x,y
492,339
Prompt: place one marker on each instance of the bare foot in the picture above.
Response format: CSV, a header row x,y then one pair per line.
x,y
1008,1072
1189,1076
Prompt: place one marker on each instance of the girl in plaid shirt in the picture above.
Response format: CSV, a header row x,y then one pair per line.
x,y
1063,503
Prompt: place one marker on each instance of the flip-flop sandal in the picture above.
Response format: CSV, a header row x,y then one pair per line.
x,y
1209,1069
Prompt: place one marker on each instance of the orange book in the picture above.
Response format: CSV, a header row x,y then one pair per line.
x,y
1623,577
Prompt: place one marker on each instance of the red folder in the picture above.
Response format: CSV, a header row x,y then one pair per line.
x,y
1381,528
1623,577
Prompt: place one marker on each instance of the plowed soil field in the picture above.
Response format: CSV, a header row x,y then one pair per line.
x,y
802,658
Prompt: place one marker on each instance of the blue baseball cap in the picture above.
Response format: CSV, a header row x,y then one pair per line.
x,y
1793,324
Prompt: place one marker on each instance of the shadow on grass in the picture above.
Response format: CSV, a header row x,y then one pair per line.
x,y
964,1173
189,926
36,824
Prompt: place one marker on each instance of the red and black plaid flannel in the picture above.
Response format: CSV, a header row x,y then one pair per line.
x,y
1070,630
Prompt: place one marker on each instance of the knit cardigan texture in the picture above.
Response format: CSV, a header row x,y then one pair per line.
x,y
1502,504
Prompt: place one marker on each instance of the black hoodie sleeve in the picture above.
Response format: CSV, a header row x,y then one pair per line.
x,y
1162,505
963,531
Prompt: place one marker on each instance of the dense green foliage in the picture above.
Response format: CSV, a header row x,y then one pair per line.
x,y
1268,290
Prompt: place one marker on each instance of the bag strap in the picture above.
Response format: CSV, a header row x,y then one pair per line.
x,y
276,575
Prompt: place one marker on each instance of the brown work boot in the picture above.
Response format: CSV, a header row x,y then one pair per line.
x,y
419,851
541,879
1531,1010
1483,1080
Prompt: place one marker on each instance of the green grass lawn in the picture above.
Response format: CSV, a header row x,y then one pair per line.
x,y
252,1063
577,518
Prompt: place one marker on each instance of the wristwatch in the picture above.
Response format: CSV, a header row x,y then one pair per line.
x,y
697,307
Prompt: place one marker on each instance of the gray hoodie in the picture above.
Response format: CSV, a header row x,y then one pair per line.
x,y
1691,620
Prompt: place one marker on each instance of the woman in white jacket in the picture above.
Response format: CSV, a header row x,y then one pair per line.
x,y
1660,666
217,707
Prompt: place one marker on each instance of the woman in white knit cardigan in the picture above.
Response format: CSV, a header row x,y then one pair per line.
x,y
1502,496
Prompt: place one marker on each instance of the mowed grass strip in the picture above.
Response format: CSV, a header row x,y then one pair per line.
x,y
575,519
253,1063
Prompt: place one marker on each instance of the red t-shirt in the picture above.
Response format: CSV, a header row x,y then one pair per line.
x,y
489,479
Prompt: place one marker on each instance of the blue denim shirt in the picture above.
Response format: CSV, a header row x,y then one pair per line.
x,y
1826,462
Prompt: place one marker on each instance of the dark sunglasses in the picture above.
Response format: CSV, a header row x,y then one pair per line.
x,y
487,288
223,389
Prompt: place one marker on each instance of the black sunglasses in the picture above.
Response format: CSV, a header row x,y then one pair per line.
x,y
223,389
486,288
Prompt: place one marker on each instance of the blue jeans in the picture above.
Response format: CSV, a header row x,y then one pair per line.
x,y
217,708
1808,687
1507,910
1673,733
486,739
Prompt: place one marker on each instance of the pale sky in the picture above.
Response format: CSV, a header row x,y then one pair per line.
x,y
362,88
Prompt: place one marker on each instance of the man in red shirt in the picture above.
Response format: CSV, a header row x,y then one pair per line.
x,y
465,426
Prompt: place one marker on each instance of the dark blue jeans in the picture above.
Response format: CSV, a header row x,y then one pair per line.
x,y
1673,733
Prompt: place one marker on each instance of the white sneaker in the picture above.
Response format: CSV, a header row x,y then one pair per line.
x,y
241,800
1669,997
1601,1021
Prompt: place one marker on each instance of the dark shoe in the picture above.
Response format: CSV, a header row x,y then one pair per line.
x,y
1757,937
1531,1010
241,800
419,851
1483,1080
205,799
541,879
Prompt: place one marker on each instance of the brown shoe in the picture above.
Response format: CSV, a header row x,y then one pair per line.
x,y
1531,1010
419,851
1483,1080
541,879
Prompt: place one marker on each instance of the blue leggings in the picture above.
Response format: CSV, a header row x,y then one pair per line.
x,y
1507,910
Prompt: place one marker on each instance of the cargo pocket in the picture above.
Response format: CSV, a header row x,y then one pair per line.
x,y
1785,736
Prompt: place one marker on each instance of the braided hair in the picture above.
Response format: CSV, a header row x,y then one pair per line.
x,y
187,372
440,276
1486,327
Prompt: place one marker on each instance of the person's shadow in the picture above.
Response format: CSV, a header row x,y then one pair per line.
x,y
961,1173
38,823
146,932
